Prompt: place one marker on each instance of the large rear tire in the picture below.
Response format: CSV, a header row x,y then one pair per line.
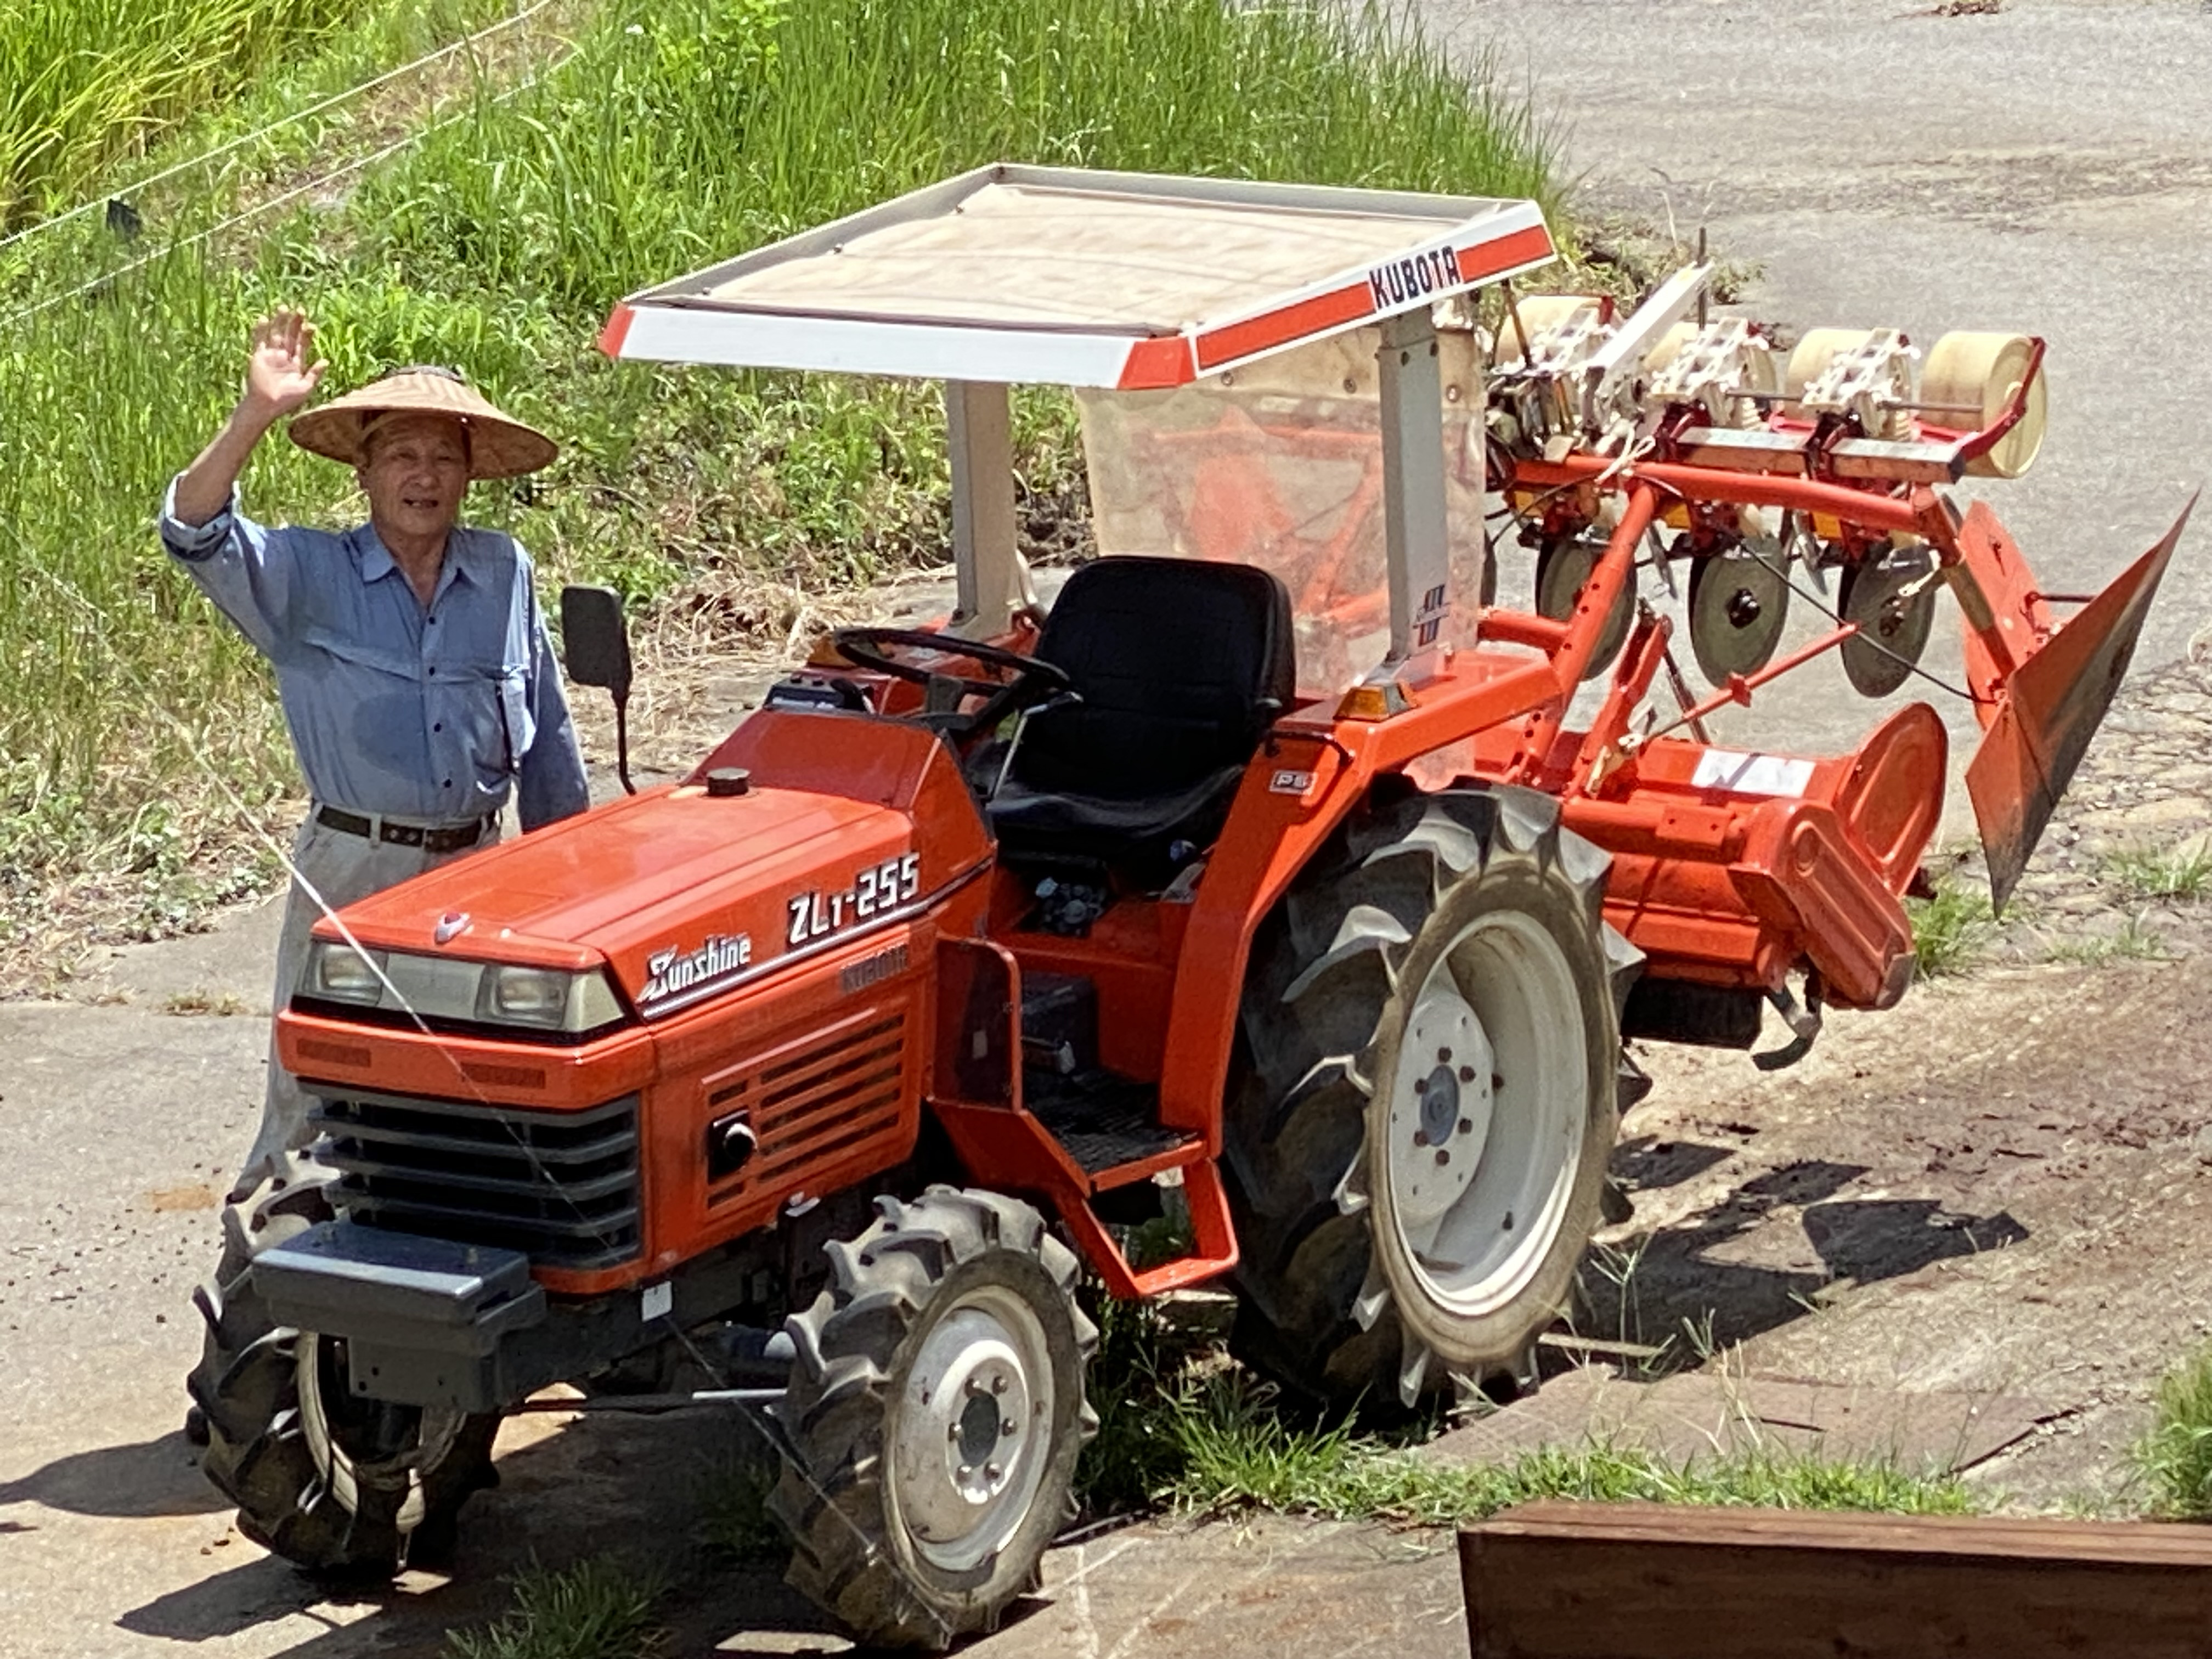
x,y
935,1412
334,1483
1426,1097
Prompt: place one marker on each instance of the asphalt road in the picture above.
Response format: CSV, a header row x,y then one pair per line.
x,y
2046,169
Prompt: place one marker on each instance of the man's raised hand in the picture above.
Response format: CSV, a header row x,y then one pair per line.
x,y
278,377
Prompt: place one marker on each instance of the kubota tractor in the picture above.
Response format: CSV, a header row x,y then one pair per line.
x,y
1265,863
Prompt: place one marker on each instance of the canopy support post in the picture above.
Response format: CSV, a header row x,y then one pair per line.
x,y
979,423
1416,543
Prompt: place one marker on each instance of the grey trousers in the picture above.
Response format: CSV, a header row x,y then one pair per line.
x,y
342,868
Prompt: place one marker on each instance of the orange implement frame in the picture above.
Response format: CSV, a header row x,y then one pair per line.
x,y
1730,874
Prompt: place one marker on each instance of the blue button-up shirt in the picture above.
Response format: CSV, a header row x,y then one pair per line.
x,y
431,715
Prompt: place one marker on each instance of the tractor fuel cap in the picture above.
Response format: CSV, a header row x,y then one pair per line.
x,y
729,780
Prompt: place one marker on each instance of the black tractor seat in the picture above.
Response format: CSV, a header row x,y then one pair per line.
x,y
1181,666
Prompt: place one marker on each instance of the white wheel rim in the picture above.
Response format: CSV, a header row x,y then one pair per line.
x,y
432,1438
973,1430
1487,1113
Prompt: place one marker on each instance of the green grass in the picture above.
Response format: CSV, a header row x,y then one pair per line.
x,y
86,83
2133,940
1182,1426
1949,930
599,1609
733,1517
1239,1454
2164,873
680,132
2174,1458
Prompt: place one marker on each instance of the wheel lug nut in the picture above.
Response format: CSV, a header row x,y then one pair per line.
x,y
1466,1125
966,1470
1466,1074
1442,1157
1420,1137
998,1385
1007,1430
1443,1056
993,1472
951,1432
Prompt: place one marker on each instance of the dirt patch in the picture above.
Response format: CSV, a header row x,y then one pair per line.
x,y
1993,1186
194,1195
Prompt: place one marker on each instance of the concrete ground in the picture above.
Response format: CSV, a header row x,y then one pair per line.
x,y
118,1126
2047,168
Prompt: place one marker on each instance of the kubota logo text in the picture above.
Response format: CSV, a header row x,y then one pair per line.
x,y
1409,278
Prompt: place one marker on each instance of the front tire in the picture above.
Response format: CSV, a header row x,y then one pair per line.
x,y
1417,1139
333,1484
935,1412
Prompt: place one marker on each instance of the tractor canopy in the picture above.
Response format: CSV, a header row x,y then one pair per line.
x,y
1280,375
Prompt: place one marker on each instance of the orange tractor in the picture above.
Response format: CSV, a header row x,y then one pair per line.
x,y
1262,875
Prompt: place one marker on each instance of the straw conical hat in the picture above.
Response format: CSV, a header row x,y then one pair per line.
x,y
500,446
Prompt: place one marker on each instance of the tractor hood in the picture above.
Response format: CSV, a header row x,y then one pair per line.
x,y
822,827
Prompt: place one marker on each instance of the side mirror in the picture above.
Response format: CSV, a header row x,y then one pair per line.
x,y
593,639
597,646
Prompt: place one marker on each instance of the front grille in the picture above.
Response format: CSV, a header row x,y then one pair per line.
x,y
561,1186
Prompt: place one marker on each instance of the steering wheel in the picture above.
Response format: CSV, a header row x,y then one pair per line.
x,y
1035,679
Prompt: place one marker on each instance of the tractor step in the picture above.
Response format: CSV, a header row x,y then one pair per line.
x,y
1102,1120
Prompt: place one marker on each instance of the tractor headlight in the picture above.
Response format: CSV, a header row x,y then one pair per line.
x,y
341,973
435,988
552,998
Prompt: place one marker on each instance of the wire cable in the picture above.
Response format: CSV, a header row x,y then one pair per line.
x,y
320,182
100,203
760,1420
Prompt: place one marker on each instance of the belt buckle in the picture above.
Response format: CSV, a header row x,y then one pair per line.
x,y
401,834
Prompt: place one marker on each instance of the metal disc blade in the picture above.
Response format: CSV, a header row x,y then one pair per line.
x,y
1737,607
1562,567
1894,624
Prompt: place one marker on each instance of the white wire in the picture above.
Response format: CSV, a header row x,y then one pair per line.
x,y
761,1422
331,102
317,183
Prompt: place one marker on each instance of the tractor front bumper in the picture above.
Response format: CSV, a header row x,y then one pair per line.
x,y
426,1321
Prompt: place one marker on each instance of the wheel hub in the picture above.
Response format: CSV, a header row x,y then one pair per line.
x,y
974,1414
1440,1110
1488,1092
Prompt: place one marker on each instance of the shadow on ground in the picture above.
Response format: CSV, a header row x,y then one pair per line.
x,y
1764,1255
645,1490
153,1477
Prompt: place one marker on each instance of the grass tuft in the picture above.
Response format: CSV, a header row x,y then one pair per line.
x,y
2170,872
1240,1454
2134,940
1181,1425
598,1608
733,1517
1949,929
2175,1456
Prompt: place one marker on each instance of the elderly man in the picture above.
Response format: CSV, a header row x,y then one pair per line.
x,y
412,661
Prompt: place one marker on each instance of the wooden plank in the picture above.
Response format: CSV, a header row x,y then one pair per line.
x,y
1651,1581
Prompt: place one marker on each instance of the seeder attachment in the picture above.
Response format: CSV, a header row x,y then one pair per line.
x,y
1652,439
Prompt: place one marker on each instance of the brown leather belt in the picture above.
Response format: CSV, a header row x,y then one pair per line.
x,y
406,834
